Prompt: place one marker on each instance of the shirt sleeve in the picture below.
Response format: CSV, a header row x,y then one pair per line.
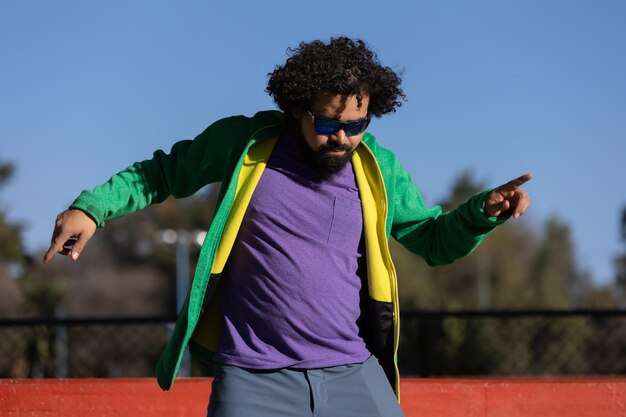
x,y
438,237
190,165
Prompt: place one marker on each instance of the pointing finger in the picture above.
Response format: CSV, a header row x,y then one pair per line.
x,y
49,255
56,246
516,183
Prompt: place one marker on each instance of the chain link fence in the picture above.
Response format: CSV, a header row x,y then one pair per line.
x,y
82,348
514,343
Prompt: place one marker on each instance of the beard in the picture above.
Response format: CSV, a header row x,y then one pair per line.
x,y
323,163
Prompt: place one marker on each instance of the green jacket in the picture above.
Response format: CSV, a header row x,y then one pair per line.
x,y
234,151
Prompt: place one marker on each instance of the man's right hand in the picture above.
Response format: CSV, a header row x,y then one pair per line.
x,y
72,230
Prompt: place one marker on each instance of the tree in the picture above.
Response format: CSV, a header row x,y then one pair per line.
x,y
554,274
516,267
620,264
11,253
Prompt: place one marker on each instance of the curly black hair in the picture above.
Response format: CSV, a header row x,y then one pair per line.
x,y
343,66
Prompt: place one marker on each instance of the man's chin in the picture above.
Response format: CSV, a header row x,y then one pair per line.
x,y
326,161
330,164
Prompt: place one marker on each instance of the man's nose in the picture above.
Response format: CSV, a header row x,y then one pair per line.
x,y
340,137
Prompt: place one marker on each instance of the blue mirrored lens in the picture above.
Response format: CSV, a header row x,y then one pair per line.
x,y
327,126
355,128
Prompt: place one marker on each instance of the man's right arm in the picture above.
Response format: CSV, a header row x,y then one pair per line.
x,y
190,165
139,185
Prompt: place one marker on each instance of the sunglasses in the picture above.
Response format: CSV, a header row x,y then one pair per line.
x,y
326,126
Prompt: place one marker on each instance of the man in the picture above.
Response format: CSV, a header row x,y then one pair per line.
x,y
294,298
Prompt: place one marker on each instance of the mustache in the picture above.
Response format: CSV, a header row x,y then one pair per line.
x,y
330,147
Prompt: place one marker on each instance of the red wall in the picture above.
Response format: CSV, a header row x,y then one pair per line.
x,y
420,397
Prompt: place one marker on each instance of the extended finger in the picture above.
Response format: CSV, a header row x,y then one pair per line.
x,y
516,183
49,255
56,246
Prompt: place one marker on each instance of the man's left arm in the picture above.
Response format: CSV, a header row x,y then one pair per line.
x,y
442,237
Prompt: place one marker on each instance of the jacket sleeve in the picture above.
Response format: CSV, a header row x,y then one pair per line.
x,y
190,165
438,237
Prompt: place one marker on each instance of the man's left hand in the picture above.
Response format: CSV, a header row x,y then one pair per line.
x,y
509,198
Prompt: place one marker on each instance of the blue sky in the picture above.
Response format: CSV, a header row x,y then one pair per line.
x,y
499,88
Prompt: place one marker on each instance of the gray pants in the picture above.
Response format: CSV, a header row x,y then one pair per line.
x,y
359,390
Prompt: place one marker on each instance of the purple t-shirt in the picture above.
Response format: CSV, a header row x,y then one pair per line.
x,y
293,281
